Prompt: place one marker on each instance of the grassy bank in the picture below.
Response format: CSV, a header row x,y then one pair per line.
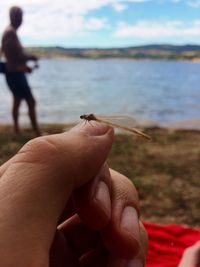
x,y
166,171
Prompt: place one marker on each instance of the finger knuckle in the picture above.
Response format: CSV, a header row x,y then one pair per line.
x,y
37,150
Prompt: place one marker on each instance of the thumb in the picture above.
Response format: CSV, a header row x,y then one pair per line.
x,y
35,187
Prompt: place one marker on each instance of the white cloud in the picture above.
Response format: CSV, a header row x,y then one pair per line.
x,y
176,1
96,24
155,29
119,7
136,1
67,6
62,19
194,3
58,19
49,19
62,27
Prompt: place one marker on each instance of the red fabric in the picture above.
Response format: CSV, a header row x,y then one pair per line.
x,y
167,243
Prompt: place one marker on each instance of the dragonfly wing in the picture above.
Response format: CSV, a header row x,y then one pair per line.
x,y
121,121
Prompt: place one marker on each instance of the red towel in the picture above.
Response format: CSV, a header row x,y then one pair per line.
x,y
167,243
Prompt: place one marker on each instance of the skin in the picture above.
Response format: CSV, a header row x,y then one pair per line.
x,y
191,256
60,205
16,60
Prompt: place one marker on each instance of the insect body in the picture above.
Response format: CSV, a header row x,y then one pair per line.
x,y
122,122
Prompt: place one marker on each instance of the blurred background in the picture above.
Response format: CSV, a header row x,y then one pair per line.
x,y
120,57
132,57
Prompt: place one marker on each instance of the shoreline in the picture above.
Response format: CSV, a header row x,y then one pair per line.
x,y
189,124
153,51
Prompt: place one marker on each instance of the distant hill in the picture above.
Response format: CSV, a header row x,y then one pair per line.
x,y
165,51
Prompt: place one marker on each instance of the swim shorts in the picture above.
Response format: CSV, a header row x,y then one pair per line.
x,y
18,84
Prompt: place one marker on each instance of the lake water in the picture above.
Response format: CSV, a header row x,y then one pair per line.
x,y
160,91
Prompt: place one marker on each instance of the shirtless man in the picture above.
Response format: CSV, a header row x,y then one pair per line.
x,y
16,68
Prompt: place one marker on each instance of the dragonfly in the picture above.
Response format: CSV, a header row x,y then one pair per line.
x,y
122,122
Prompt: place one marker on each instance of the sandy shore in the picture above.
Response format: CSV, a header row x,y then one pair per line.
x,y
186,124
166,171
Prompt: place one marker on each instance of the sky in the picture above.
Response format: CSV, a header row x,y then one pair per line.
x,y
106,23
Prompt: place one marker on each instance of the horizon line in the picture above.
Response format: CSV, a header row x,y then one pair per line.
x,y
111,47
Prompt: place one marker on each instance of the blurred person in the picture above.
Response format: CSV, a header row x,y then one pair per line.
x,y
16,67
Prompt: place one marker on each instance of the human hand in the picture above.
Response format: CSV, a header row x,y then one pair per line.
x,y
27,69
61,177
191,256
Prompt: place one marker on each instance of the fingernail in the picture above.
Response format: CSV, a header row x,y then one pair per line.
x,y
92,128
135,263
102,196
130,222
